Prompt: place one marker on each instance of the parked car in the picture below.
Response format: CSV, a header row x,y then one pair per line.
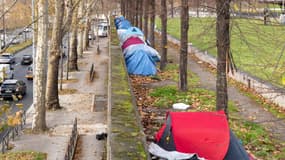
x,y
103,30
27,59
7,58
13,87
29,73
6,72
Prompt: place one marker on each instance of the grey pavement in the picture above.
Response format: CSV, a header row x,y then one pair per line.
x,y
91,120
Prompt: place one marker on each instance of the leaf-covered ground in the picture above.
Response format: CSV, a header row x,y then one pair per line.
x,y
155,96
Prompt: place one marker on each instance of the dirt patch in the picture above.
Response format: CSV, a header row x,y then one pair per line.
x,y
67,91
70,81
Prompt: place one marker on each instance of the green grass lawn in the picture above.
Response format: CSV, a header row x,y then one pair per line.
x,y
256,48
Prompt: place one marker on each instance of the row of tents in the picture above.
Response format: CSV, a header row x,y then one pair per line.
x,y
184,135
139,56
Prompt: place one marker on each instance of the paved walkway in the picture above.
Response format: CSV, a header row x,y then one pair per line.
x,y
91,121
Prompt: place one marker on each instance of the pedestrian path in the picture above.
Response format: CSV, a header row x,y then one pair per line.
x,y
75,105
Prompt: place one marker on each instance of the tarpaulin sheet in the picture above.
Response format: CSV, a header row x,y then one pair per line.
x,y
138,62
145,49
131,32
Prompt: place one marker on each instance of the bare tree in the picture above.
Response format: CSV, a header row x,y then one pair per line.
x,y
140,14
39,118
172,8
152,22
80,28
163,16
52,99
183,46
223,48
146,16
73,66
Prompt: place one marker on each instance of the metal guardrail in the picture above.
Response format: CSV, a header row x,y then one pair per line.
x,y
11,133
72,142
91,73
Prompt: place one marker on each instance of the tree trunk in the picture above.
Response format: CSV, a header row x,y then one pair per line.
x,y
87,25
68,17
52,99
137,13
146,12
123,8
163,17
223,47
73,42
80,28
85,34
140,14
172,8
183,46
39,118
152,23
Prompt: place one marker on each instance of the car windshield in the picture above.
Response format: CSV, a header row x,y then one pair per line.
x,y
5,56
26,56
8,85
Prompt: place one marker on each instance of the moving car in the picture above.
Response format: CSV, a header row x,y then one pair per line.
x,y
7,58
27,59
29,73
13,87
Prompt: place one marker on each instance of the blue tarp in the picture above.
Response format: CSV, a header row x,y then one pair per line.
x,y
130,32
140,58
123,24
118,20
140,63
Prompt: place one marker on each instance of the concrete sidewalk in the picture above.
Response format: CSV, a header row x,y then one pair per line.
x,y
91,121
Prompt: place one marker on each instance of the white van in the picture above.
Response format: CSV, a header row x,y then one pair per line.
x,y
103,30
6,72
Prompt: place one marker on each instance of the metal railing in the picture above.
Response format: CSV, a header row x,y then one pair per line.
x,y
11,133
72,142
91,73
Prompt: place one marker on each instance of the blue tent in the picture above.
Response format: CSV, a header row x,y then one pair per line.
x,y
123,24
138,62
140,59
131,32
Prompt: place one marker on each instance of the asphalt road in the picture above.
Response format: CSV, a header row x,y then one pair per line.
x,y
19,73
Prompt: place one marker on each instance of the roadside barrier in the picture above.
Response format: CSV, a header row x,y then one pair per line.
x,y
72,142
11,133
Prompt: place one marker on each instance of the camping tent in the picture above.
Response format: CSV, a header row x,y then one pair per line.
x,y
140,58
206,134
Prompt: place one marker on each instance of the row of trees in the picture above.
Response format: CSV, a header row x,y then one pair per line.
x,y
67,16
139,11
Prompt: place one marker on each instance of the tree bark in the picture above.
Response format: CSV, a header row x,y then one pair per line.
x,y
183,46
223,47
163,16
87,25
172,8
73,66
52,99
146,16
152,23
123,8
68,17
137,13
39,118
140,14
80,28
